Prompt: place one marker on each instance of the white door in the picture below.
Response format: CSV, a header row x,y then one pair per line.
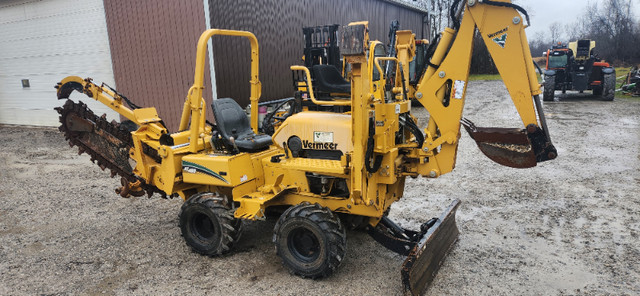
x,y
42,42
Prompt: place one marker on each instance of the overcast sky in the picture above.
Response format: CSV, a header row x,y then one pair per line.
x,y
545,12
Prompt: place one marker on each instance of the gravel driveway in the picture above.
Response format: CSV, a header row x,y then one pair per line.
x,y
567,227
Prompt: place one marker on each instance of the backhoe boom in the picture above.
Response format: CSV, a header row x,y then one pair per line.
x,y
442,91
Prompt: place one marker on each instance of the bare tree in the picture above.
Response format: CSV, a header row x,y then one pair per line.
x,y
438,15
555,30
538,44
613,26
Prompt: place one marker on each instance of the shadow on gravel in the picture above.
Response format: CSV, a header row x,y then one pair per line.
x,y
576,97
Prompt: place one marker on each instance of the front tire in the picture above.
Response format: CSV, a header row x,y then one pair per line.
x,y
609,87
310,240
597,90
549,88
208,226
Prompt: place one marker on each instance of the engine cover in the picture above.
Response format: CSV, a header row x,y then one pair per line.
x,y
317,131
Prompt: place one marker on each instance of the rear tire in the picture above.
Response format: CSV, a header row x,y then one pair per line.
x,y
310,240
549,88
208,226
609,87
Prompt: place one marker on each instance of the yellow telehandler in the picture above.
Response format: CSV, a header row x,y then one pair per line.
x,y
322,171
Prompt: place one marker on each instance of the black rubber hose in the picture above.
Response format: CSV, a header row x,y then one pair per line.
x,y
131,104
369,152
511,5
452,14
430,51
413,129
267,126
456,22
538,67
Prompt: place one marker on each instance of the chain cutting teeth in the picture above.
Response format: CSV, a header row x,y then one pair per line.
x,y
104,159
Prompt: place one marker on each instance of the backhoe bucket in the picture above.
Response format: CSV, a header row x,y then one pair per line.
x,y
426,257
507,146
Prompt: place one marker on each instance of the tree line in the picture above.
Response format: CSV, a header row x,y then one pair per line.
x,y
438,19
611,23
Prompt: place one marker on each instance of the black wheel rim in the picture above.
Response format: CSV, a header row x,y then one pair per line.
x,y
202,227
303,245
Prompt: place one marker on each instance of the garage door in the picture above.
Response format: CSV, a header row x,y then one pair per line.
x,y
42,42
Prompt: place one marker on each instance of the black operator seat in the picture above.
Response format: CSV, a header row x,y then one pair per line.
x,y
329,79
233,122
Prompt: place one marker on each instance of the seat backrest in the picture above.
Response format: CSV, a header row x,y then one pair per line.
x,y
229,117
329,74
329,79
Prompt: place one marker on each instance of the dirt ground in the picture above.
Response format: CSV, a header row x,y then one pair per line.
x,y
566,227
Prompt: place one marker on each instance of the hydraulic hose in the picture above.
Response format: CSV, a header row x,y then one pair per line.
x,y
511,5
456,22
368,155
452,14
413,129
430,51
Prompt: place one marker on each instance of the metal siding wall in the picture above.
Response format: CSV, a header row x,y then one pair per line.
x,y
42,41
153,47
278,26
153,44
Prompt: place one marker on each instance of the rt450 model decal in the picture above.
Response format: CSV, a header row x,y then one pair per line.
x,y
193,168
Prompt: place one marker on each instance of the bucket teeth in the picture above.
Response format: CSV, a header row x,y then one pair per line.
x,y
507,146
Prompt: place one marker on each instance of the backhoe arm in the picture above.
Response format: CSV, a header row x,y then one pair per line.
x,y
442,90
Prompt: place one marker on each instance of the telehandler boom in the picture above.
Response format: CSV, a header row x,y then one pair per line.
x,y
323,171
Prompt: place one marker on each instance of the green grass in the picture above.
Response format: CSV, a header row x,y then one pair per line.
x,y
621,75
474,77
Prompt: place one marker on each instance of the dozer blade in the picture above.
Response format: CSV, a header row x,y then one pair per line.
x,y
426,257
507,146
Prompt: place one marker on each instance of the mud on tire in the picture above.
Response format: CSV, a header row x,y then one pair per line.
x,y
609,87
310,240
208,226
549,88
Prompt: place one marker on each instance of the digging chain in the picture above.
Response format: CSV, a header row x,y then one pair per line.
x,y
106,143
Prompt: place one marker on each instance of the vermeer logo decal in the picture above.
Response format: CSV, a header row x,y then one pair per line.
x,y
193,168
319,146
500,40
